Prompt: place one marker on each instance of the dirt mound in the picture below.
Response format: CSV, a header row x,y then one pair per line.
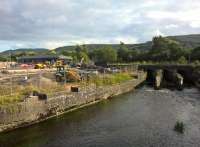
x,y
40,81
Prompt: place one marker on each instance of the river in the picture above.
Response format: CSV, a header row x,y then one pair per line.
x,y
143,118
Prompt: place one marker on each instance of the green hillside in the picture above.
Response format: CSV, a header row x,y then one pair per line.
x,y
142,46
187,41
23,52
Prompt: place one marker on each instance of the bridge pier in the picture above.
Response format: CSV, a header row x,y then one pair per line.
x,y
196,78
155,77
172,76
158,78
179,81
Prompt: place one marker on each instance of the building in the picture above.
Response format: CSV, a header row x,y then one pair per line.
x,y
44,58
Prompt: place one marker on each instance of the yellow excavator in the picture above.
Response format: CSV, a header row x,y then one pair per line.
x,y
40,66
67,75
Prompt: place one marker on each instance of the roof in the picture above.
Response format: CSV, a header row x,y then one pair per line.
x,y
38,57
65,57
45,57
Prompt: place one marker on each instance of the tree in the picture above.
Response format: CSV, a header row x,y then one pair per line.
x,y
165,49
81,52
3,59
105,55
78,48
159,49
196,62
84,56
123,53
134,55
81,48
195,55
32,53
53,52
67,53
182,60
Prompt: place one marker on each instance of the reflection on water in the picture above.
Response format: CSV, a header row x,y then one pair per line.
x,y
144,118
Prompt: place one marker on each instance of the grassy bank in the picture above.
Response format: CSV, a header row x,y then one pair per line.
x,y
19,93
110,79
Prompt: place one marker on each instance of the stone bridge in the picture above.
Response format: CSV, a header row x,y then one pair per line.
x,y
174,75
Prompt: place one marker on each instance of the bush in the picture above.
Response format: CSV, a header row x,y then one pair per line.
x,y
196,62
179,127
182,60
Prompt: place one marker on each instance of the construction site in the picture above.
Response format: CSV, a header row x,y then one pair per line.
x,y
20,80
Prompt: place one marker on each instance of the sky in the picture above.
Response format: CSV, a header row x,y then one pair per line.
x,y
53,23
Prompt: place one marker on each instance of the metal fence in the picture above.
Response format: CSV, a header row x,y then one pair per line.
x,y
15,85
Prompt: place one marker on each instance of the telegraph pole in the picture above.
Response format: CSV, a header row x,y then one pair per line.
x,y
11,82
189,59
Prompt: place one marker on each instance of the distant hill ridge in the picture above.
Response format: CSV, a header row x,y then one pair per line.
x,y
188,41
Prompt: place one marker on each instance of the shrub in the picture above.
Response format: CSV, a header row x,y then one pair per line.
x,y
196,62
179,127
182,60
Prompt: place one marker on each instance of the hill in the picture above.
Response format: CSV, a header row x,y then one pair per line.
x,y
24,51
141,46
188,41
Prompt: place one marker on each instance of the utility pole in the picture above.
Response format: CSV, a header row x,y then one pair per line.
x,y
189,58
11,82
65,80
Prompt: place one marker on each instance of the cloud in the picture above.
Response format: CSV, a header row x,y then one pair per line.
x,y
158,33
51,23
171,26
195,24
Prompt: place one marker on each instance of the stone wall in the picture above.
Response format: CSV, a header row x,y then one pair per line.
x,y
34,110
175,74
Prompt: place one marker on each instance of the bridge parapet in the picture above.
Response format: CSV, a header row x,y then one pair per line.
x,y
168,66
176,75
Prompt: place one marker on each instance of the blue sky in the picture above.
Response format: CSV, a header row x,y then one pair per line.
x,y
53,23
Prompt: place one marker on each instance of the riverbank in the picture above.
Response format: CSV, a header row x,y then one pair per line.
x,y
34,110
144,117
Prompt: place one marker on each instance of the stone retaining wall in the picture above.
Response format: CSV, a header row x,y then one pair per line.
x,y
34,110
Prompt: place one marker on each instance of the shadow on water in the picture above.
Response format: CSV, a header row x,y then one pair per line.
x,y
142,118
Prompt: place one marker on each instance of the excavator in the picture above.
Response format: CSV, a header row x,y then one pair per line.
x,y
40,66
80,63
70,74
64,74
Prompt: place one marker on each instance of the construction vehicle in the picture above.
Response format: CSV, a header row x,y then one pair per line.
x,y
67,75
59,63
40,66
80,63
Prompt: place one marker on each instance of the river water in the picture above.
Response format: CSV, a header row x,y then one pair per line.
x,y
143,118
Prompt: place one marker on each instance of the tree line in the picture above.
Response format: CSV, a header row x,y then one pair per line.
x,y
162,50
